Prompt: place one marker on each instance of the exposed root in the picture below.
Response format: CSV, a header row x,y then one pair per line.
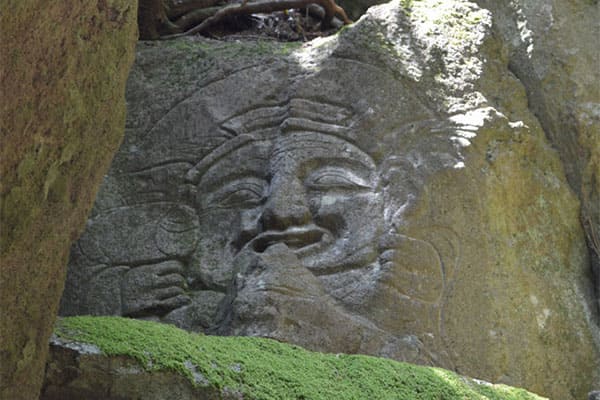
x,y
211,16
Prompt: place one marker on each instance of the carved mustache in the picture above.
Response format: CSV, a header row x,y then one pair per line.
x,y
296,238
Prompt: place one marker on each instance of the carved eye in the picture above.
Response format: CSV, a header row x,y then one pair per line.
x,y
336,179
242,193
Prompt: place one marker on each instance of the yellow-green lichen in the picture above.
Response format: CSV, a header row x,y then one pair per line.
x,y
266,369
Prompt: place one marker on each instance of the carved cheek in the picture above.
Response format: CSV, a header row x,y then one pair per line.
x,y
334,203
328,201
358,211
371,209
329,211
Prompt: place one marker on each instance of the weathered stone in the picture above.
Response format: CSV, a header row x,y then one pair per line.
x,y
63,70
80,371
386,190
276,297
553,50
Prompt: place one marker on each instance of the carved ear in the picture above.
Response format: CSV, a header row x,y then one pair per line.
x,y
414,268
399,189
446,243
177,231
440,244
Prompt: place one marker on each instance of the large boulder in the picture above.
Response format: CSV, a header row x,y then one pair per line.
x,y
383,191
553,50
63,70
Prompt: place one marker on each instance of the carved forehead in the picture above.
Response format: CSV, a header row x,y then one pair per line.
x,y
322,123
249,154
309,145
344,98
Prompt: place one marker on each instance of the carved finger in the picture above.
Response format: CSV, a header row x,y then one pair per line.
x,y
175,302
165,293
167,267
170,280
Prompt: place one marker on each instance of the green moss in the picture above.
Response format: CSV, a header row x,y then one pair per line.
x,y
266,369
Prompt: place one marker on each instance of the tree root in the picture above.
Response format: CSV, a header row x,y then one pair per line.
x,y
212,15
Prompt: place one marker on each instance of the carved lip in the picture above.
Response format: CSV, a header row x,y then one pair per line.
x,y
298,239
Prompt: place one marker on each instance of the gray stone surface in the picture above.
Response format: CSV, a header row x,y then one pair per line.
x,y
74,372
383,191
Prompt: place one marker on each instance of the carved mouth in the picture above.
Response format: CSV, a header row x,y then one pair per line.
x,y
297,239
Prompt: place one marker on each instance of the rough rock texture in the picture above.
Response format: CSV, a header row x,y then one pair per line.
x,y
80,371
554,51
63,70
386,190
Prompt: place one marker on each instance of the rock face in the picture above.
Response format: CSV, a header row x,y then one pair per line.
x,y
384,191
63,71
553,51
80,371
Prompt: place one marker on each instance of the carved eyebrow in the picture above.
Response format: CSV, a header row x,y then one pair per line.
x,y
214,181
248,183
337,177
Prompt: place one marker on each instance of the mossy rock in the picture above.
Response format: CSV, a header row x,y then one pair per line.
x,y
239,367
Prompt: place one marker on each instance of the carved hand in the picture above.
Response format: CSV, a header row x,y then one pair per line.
x,y
154,289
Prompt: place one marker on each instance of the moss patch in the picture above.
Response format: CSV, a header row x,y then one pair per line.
x,y
266,369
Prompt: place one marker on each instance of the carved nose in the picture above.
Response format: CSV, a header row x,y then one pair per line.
x,y
286,206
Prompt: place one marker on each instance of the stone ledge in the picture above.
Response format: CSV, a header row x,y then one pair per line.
x,y
208,367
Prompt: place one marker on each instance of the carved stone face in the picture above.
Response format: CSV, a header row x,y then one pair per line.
x,y
308,173
384,191
314,192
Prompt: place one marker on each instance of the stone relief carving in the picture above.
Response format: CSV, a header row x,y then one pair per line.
x,y
279,214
